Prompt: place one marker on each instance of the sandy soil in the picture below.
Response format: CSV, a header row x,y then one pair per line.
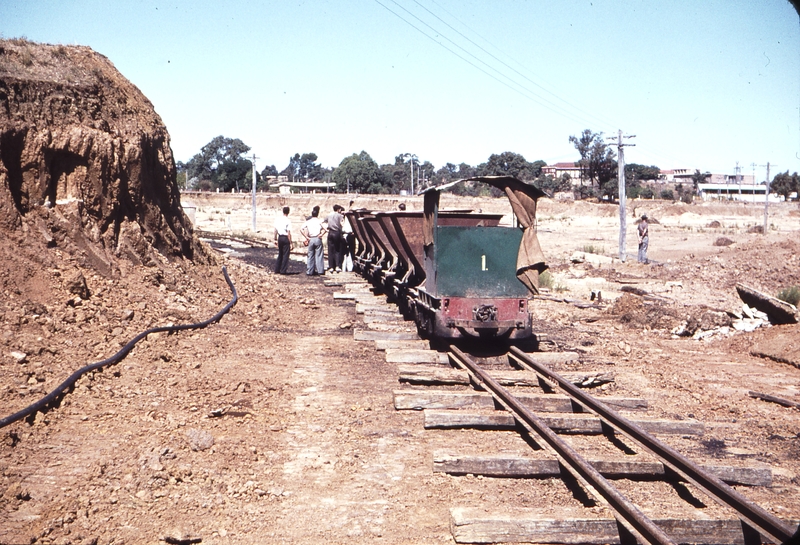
x,y
274,425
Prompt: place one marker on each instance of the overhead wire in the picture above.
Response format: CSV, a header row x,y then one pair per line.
x,y
546,90
530,95
582,116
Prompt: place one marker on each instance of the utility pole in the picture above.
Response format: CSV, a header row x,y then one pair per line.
x,y
412,157
754,181
766,202
412,175
254,192
739,179
623,220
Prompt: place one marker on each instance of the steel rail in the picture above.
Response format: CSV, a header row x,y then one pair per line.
x,y
627,513
751,514
73,378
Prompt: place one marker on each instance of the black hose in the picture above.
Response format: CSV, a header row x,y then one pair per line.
x,y
116,358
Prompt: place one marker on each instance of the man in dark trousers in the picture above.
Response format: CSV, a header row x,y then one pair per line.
x,y
283,238
333,223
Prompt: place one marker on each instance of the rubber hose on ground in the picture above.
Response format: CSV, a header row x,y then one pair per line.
x,y
116,358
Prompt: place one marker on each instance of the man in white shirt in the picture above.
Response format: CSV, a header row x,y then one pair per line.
x,y
283,238
313,231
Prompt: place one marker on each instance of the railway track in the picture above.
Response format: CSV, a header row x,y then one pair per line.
x,y
520,392
564,425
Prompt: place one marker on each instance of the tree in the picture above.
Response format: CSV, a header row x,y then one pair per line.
x,y
597,162
636,173
303,168
551,185
269,171
182,177
536,167
263,181
221,162
361,174
698,179
396,176
684,194
784,184
509,164
236,174
451,172
425,176
446,174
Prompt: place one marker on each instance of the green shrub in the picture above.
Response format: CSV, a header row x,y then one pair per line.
x,y
790,295
546,280
592,249
26,57
667,195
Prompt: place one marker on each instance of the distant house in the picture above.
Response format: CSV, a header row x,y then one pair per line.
x,y
684,175
275,180
676,175
740,179
559,169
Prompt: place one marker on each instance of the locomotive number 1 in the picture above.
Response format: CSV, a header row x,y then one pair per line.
x,y
483,263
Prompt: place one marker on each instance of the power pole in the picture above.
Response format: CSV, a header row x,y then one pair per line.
x,y
254,192
754,181
623,220
766,202
739,179
412,174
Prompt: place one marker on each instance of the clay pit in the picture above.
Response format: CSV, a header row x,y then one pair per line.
x,y
275,424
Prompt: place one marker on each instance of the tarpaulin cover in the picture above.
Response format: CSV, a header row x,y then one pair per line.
x,y
523,197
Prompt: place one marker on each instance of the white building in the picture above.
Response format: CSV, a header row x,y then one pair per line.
x,y
286,188
736,192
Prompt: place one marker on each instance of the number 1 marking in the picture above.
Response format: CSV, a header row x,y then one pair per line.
x,y
483,263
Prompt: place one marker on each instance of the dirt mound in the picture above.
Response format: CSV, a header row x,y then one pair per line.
x,y
635,311
85,161
778,343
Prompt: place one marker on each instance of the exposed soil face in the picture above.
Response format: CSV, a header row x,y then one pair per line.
x,y
74,131
274,425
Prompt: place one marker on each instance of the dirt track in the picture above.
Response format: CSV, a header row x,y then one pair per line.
x,y
309,447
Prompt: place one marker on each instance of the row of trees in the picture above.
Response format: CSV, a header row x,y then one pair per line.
x,y
222,164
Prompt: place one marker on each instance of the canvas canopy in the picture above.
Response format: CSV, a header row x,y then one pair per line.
x,y
523,198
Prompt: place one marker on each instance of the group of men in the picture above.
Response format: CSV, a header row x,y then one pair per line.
x,y
340,241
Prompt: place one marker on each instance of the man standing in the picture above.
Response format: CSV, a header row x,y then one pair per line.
x,y
644,239
334,225
313,230
348,243
283,238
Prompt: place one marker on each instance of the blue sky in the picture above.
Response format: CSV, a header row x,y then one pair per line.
x,y
701,84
